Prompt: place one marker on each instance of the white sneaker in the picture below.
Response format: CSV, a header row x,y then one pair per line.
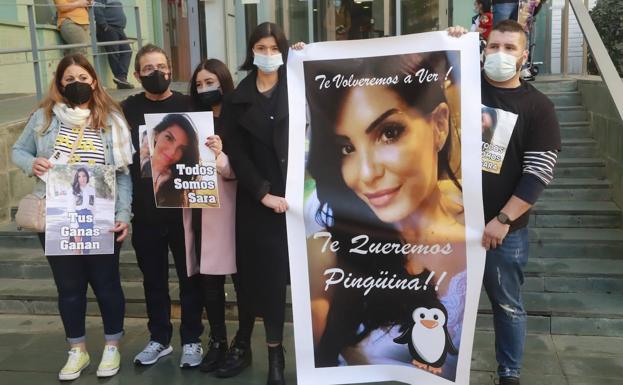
x,y
152,353
191,355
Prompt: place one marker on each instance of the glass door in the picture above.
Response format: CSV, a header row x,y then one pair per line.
x,y
352,19
422,15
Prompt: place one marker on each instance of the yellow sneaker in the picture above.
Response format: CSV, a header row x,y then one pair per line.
x,y
111,360
76,362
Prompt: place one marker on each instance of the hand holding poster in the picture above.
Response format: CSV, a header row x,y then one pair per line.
x,y
182,166
80,210
386,208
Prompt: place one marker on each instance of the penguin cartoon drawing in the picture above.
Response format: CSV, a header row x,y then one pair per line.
x,y
428,339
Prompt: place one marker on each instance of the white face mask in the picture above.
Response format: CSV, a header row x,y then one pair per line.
x,y
500,66
267,63
209,88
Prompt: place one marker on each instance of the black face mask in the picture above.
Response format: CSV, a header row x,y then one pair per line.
x,y
209,98
77,93
155,83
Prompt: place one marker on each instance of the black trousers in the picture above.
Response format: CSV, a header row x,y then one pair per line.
x,y
118,61
273,316
214,297
72,275
152,244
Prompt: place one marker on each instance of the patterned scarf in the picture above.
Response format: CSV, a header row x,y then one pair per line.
x,y
121,138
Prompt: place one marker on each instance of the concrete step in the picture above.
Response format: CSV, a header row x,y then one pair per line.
x,y
590,310
571,130
584,306
11,237
572,113
580,168
585,214
579,148
564,98
574,275
576,189
548,274
547,86
576,243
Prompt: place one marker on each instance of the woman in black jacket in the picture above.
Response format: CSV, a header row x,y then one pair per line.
x,y
256,117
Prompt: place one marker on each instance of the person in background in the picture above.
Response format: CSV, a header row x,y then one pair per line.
x,y
110,22
482,22
73,23
156,231
528,167
256,118
78,110
504,10
211,233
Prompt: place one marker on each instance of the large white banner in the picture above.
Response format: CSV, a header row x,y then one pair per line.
x,y
385,218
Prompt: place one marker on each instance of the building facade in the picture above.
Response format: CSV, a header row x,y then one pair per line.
x,y
190,30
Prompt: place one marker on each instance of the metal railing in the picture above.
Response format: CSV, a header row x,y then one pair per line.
x,y
602,59
35,49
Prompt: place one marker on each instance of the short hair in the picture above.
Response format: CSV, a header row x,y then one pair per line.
x,y
510,26
149,48
266,29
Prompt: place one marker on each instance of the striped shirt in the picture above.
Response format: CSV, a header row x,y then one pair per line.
x,y
90,150
540,164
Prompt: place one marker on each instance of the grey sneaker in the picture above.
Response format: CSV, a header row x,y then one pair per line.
x,y
191,355
152,352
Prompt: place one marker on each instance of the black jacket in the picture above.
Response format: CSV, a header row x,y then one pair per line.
x,y
256,141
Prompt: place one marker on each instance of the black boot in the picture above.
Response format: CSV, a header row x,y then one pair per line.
x,y
276,364
238,357
215,356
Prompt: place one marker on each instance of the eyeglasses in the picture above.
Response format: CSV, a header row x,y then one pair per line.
x,y
150,68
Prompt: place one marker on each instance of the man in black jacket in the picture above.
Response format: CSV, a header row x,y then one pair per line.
x,y
110,23
518,158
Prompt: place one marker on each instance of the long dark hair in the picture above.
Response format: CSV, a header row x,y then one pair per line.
x,y
191,153
353,316
219,69
486,5
266,29
75,185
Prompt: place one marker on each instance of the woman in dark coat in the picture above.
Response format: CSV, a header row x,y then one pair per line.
x,y
256,117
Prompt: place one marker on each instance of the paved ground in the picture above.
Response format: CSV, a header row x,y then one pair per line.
x,y
32,350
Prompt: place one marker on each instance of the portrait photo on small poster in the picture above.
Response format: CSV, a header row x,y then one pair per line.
x,y
180,163
80,210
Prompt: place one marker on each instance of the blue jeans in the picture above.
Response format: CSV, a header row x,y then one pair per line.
x,y
119,55
504,11
72,275
502,280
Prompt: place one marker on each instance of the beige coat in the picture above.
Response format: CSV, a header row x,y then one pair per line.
x,y
218,228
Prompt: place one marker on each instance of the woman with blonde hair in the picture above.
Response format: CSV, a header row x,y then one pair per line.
x,y
79,121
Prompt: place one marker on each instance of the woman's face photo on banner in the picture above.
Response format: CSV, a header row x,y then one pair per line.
x,y
180,163
385,218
